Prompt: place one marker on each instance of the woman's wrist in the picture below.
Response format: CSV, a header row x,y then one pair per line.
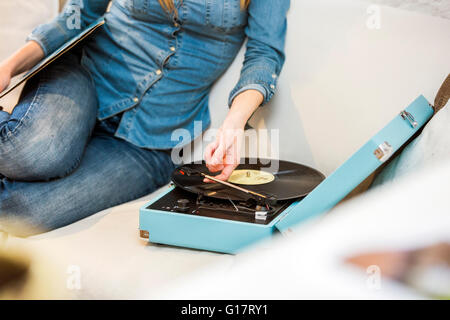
x,y
235,120
24,59
10,65
7,68
242,108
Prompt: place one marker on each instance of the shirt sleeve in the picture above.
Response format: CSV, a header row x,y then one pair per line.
x,y
265,56
254,86
74,18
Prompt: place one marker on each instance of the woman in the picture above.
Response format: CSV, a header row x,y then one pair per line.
x,y
94,129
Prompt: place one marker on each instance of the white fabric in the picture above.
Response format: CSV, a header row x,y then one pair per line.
x,y
310,263
341,83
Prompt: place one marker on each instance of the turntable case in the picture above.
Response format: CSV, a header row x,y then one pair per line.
x,y
230,236
362,164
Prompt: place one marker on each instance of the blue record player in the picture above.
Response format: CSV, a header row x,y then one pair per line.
x,y
209,219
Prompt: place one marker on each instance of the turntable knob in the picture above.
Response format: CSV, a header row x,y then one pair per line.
x,y
183,204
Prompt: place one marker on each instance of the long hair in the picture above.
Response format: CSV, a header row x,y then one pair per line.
x,y
169,6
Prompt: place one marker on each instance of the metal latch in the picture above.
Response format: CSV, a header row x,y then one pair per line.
x,y
384,151
408,116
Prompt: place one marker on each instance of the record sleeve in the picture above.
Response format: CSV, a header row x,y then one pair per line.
x,y
54,56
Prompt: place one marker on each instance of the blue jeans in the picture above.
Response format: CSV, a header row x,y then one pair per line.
x,y
58,164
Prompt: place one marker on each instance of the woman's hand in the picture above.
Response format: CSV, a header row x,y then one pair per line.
x,y
22,60
5,76
225,152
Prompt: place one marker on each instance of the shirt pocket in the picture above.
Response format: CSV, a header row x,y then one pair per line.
x,y
225,15
146,10
140,6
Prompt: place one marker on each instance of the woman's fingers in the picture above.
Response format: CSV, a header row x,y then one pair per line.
x,y
226,172
216,162
224,160
223,154
209,151
214,155
208,156
218,156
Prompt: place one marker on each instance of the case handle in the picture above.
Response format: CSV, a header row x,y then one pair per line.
x,y
443,95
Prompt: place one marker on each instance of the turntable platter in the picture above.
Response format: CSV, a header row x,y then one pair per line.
x,y
250,177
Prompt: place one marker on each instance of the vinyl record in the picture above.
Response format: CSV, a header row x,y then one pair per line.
x,y
281,179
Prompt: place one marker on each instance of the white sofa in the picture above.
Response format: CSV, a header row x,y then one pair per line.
x,y
342,81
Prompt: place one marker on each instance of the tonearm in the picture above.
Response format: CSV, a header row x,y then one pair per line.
x,y
261,199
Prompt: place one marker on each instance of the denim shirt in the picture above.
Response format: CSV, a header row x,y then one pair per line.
x,y
155,69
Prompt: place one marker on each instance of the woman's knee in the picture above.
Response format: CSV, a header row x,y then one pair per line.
x,y
47,132
43,148
37,155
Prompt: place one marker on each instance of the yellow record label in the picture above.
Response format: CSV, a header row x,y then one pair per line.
x,y
251,177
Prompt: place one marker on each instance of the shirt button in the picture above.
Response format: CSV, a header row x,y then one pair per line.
x,y
272,86
158,72
135,99
274,76
172,48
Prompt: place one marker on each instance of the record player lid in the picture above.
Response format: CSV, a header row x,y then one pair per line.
x,y
360,165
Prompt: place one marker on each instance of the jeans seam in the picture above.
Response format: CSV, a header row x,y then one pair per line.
x,y
72,167
36,98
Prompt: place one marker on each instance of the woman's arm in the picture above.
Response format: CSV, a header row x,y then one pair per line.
x,y
25,58
22,60
46,38
264,58
224,153
71,21
244,105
